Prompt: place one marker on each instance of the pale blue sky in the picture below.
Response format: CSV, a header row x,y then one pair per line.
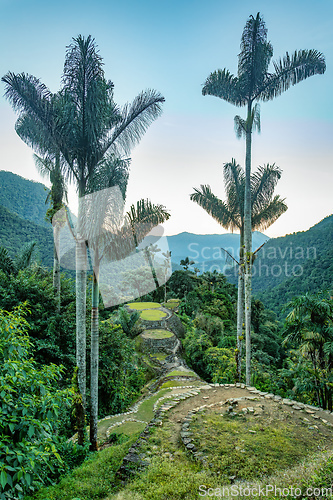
x,y
172,47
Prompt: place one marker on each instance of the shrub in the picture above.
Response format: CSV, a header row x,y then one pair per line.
x,y
29,408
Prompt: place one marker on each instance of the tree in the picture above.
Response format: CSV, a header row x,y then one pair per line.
x,y
29,410
84,124
254,83
21,261
114,243
309,326
230,214
185,263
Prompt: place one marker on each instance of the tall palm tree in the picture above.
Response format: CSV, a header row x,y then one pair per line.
x,y
230,214
254,83
84,124
111,238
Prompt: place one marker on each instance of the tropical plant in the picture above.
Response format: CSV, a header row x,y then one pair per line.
x,y
84,124
186,263
265,209
29,409
309,327
254,83
115,243
21,261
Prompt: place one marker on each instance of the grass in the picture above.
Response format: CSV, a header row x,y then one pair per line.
x,y
173,383
152,315
232,450
157,334
182,373
160,356
139,306
95,479
128,428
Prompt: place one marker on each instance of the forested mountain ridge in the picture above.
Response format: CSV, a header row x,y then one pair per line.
x,y
22,216
15,232
23,197
295,264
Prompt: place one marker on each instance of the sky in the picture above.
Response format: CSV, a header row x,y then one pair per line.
x,y
172,47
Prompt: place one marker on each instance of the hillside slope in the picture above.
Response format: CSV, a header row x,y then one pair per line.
x,y
15,232
23,197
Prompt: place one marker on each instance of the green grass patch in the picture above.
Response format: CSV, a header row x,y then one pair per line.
x,y
95,479
157,334
175,476
181,373
128,428
152,315
172,304
234,451
160,356
139,306
145,411
173,383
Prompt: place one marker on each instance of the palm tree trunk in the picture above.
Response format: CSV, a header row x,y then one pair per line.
x,y
94,355
240,305
151,265
248,244
81,282
56,265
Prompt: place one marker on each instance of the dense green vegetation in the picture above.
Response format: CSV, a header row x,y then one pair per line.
x,y
45,370
23,197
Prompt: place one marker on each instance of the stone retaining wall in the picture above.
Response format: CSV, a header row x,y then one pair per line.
x,y
152,345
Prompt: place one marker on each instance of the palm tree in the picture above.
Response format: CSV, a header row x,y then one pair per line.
x,y
84,124
110,240
254,83
230,214
21,260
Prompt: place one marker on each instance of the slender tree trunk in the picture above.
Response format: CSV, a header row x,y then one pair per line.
x,y
81,283
248,244
240,305
152,268
56,265
94,357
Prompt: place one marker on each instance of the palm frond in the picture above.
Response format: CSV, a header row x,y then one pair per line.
x,y
292,69
234,181
109,172
223,84
135,120
23,258
7,265
268,214
215,207
254,57
263,183
240,126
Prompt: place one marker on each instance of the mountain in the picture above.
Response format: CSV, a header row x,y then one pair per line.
x,y
23,197
22,216
295,264
15,232
206,250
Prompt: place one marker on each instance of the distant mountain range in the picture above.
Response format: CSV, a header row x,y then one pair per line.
x,y
284,267
209,251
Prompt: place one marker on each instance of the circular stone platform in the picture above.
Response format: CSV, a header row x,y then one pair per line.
x,y
157,340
